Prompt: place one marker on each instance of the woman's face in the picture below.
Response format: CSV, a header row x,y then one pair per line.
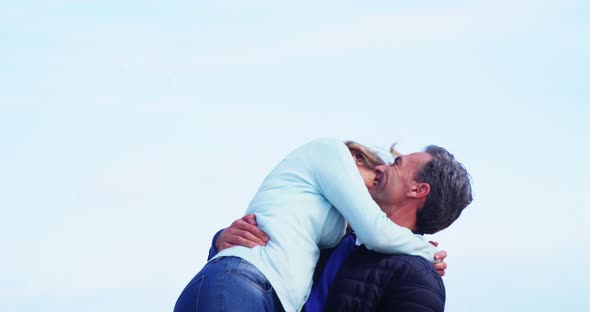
x,y
367,174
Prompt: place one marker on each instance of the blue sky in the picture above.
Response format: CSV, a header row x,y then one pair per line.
x,y
132,131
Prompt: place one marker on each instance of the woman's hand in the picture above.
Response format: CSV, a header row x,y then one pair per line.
x,y
242,232
441,255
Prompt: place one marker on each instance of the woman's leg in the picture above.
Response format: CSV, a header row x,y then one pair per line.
x,y
228,284
200,290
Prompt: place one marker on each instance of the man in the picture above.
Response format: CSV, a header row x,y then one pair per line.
x,y
425,192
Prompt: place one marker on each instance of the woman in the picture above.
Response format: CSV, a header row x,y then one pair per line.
x,y
302,204
367,160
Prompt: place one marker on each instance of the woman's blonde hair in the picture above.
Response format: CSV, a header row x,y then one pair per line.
x,y
366,156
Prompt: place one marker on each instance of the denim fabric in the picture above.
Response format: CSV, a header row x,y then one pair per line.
x,y
228,284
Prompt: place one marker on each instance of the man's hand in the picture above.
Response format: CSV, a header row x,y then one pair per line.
x,y
242,232
441,255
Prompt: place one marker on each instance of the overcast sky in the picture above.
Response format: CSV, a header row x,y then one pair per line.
x,y
132,131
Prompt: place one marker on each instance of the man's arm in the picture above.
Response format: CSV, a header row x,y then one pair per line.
x,y
213,249
245,232
242,232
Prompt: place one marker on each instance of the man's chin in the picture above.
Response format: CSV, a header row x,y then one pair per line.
x,y
371,190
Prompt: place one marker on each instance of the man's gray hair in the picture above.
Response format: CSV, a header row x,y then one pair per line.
x,y
450,191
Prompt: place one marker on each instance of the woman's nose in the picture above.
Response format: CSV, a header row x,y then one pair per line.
x,y
379,169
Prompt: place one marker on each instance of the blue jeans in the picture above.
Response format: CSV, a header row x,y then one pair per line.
x,y
228,284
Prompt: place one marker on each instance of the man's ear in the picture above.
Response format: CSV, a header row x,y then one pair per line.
x,y
420,190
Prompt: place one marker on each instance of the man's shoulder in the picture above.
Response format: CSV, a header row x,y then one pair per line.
x,y
409,266
393,271
383,282
403,268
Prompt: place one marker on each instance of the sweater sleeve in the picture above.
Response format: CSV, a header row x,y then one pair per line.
x,y
213,250
340,182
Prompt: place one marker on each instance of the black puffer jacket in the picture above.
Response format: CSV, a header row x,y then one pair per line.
x,y
370,281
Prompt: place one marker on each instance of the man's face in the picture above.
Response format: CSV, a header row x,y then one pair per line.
x,y
394,182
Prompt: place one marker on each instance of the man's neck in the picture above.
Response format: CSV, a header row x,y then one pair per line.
x,y
402,216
